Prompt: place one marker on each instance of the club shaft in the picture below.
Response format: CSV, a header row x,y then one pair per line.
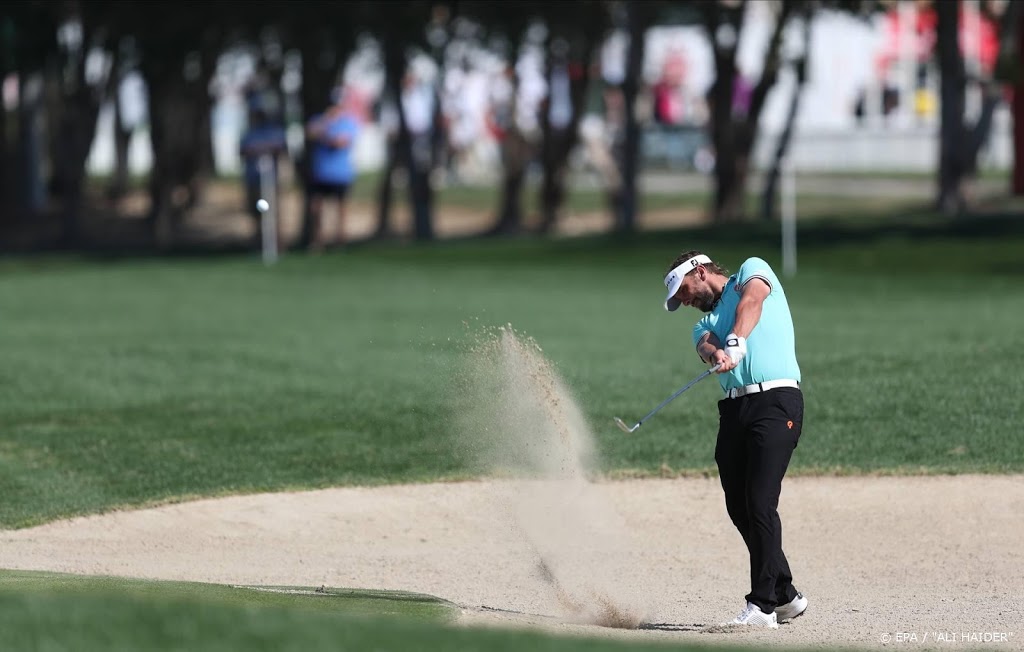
x,y
678,392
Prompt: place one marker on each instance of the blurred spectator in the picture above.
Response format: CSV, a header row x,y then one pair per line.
x,y
501,104
601,137
263,142
742,93
465,105
418,105
331,135
668,91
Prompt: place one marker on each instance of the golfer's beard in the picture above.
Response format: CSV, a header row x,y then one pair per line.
x,y
705,301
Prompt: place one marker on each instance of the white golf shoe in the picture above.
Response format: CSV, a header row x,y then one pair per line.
x,y
787,612
752,615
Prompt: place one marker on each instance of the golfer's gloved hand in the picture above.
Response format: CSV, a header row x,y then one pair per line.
x,y
720,360
735,347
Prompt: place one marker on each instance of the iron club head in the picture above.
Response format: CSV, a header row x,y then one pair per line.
x,y
622,425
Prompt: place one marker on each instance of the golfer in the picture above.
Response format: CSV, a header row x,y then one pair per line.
x,y
748,330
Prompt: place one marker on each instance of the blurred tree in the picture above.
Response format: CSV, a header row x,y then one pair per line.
x,y
404,30
639,17
1012,71
177,55
768,196
28,41
953,84
574,31
80,89
125,62
516,147
509,22
960,143
735,108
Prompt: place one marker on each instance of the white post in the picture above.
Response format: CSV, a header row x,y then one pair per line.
x,y
268,217
788,217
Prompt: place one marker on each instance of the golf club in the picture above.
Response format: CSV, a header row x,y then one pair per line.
x,y
622,424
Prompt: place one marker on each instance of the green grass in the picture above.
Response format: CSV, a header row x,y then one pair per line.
x,y
581,198
128,382
48,611
484,198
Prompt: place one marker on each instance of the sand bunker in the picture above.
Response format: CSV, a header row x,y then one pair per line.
x,y
875,556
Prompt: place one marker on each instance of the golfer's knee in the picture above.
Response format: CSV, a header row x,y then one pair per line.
x,y
763,510
737,510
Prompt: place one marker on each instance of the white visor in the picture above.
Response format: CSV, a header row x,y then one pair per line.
x,y
674,279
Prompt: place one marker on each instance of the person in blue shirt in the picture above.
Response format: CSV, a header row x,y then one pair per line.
x,y
263,139
331,136
747,330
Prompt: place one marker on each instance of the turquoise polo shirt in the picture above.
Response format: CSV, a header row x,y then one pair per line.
x,y
771,346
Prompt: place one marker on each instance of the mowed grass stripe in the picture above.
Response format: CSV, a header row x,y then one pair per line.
x,y
48,611
129,382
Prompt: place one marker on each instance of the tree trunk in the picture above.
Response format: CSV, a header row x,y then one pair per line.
x,y
515,155
552,185
319,65
397,145
27,174
979,133
74,136
953,83
421,196
638,18
202,161
418,157
7,215
730,186
386,190
734,129
785,138
160,184
76,128
176,123
728,195
559,142
413,153
1017,186
419,202
122,140
771,183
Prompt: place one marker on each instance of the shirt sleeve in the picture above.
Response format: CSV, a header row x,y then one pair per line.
x,y
699,329
756,268
344,126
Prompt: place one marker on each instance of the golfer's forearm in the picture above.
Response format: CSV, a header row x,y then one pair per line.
x,y
707,347
748,312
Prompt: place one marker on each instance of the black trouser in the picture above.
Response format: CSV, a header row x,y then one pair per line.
x,y
756,437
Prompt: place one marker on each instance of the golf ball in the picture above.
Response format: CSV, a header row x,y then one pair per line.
x,y
262,205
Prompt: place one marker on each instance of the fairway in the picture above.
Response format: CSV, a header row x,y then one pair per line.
x,y
129,382
201,388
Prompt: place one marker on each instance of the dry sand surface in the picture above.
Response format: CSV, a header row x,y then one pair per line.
x,y
875,556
